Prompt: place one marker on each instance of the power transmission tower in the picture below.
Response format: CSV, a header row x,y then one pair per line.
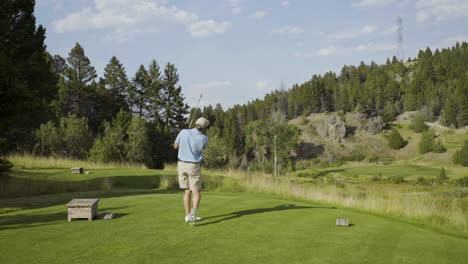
x,y
400,49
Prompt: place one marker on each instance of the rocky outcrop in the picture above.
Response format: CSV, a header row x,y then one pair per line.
x,y
375,125
333,128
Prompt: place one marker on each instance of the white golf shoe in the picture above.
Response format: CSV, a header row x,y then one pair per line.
x,y
187,218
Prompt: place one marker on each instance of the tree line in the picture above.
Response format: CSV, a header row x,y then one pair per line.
x,y
58,106
434,83
52,105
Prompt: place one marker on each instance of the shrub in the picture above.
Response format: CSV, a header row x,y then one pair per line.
x,y
5,167
418,124
340,185
462,182
421,181
427,142
442,175
374,159
354,156
376,178
395,141
111,147
48,139
439,148
397,179
71,138
138,143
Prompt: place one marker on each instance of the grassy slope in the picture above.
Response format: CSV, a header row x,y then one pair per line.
x,y
406,161
237,229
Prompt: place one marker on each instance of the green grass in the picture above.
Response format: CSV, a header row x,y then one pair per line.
x,y
267,220
238,228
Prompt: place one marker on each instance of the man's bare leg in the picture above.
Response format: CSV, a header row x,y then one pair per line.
x,y
196,199
187,201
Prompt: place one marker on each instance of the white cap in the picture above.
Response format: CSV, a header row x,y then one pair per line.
x,y
202,122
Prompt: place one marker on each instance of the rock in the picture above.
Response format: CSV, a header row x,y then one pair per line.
x,y
333,128
375,125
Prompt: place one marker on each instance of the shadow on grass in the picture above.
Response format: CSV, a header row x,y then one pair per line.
x,y
40,218
238,214
37,184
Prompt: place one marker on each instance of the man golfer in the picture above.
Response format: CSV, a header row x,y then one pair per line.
x,y
190,143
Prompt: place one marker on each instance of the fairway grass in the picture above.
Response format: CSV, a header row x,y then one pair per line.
x,y
237,228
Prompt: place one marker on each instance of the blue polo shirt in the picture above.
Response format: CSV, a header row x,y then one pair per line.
x,y
191,144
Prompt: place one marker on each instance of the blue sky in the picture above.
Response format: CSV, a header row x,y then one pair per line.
x,y
234,51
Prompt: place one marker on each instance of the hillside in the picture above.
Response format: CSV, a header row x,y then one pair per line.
x,y
363,146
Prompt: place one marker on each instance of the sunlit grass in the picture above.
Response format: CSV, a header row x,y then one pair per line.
x,y
443,207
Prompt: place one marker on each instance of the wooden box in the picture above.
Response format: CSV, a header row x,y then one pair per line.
x,y
77,170
83,208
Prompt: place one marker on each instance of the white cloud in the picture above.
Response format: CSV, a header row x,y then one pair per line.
x,y
292,30
285,3
211,85
392,30
235,6
440,10
346,51
259,14
261,85
364,31
328,51
126,18
207,27
370,3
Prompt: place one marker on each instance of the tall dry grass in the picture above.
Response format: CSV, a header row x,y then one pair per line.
x,y
29,161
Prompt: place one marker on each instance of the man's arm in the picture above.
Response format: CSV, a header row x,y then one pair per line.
x,y
177,140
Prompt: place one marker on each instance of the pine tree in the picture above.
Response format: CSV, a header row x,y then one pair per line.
x,y
138,90
27,83
78,92
427,142
153,96
232,132
174,107
463,156
388,114
449,113
116,82
395,141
